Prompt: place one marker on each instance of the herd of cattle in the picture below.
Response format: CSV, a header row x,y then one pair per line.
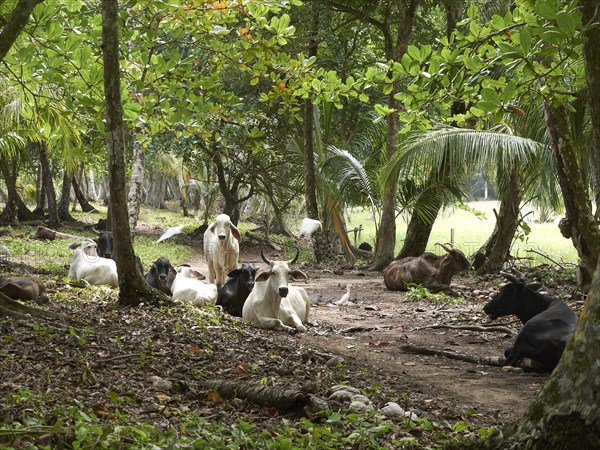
x,y
269,301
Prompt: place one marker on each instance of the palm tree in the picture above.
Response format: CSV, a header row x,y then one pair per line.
x,y
518,174
341,178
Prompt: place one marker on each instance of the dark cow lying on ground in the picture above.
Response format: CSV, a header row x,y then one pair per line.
x,y
237,288
24,288
432,271
104,243
161,275
548,323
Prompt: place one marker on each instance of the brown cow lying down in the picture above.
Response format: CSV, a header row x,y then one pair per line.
x,y
432,271
24,288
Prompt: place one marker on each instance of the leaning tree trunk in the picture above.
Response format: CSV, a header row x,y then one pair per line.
x,y
15,209
580,224
417,234
48,183
133,289
419,228
490,258
136,185
85,205
65,197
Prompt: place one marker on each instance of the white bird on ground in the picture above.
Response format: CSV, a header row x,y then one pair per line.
x,y
345,300
170,232
309,226
4,251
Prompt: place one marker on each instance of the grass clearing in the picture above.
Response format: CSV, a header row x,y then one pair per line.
x,y
471,231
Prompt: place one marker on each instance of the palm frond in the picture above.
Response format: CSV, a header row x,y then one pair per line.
x,y
462,149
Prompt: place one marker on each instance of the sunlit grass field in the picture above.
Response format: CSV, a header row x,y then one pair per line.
x,y
471,231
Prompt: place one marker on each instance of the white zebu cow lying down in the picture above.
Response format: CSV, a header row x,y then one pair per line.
x,y
88,266
187,287
273,303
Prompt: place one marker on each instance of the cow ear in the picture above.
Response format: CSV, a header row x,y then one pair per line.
x,y
298,274
535,286
212,227
263,276
197,274
236,233
234,273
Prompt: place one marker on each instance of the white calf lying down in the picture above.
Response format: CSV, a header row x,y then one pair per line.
x,y
273,303
88,266
187,287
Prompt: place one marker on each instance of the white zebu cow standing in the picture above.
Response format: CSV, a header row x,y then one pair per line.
x,y
221,248
274,304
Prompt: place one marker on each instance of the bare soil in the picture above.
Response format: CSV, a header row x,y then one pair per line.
x,y
370,333
104,358
390,321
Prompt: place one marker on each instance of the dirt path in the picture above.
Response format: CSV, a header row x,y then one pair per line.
x,y
371,332
391,322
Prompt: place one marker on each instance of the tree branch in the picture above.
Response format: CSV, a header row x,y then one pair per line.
x,y
18,19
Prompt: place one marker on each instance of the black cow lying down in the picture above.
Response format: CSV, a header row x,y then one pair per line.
x,y
237,288
548,323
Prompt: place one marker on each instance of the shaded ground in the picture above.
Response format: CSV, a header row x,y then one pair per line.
x,y
105,359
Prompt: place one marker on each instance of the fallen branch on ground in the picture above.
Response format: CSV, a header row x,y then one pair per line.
x,y
284,399
488,360
363,329
49,234
499,329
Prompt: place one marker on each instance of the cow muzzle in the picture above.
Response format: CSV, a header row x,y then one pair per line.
x,y
283,291
250,285
222,237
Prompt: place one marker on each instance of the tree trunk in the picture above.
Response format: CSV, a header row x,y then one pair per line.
x,y
580,224
133,289
18,17
394,50
419,229
48,183
65,197
386,235
91,186
490,258
232,203
136,185
591,59
85,205
15,209
418,233
40,193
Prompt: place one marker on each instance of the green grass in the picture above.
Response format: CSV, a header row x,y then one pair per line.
x,y
472,230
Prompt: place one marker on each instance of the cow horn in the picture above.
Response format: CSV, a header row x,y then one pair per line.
x,y
265,259
509,277
519,274
96,232
295,257
445,247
